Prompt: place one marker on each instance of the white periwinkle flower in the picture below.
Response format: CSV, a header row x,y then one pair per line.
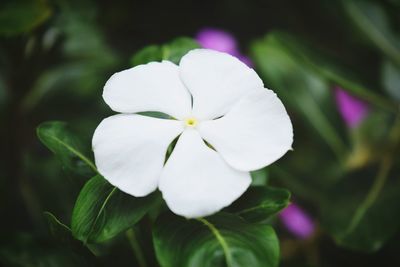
x,y
214,98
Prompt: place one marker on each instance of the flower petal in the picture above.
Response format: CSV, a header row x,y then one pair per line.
x,y
130,150
196,181
216,81
255,133
155,86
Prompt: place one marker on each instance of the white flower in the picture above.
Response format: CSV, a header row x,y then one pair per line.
x,y
245,125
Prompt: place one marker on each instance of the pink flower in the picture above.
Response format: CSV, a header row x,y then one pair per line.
x,y
352,109
297,221
221,41
217,40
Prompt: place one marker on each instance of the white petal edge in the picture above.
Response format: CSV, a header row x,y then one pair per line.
x,y
155,86
130,150
255,133
216,81
196,181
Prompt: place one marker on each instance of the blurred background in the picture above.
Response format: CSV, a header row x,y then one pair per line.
x,y
334,64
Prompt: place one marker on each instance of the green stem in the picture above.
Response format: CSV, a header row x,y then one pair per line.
x,y
131,236
380,179
221,240
372,195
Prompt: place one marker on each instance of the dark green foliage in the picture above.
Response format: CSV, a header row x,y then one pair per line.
x,y
217,241
22,16
55,57
172,51
102,211
66,146
259,203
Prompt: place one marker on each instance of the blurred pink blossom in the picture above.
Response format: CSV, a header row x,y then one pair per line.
x,y
222,41
217,40
297,221
352,109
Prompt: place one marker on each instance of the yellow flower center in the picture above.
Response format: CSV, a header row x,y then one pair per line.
x,y
191,122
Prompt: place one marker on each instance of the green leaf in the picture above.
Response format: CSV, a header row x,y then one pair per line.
x,y
299,87
391,79
259,177
363,215
370,18
22,16
176,49
328,67
102,211
362,210
56,136
148,54
220,240
172,51
63,235
58,229
86,65
260,202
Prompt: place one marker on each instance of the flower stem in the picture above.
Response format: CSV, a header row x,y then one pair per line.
x,y
380,179
372,195
131,236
